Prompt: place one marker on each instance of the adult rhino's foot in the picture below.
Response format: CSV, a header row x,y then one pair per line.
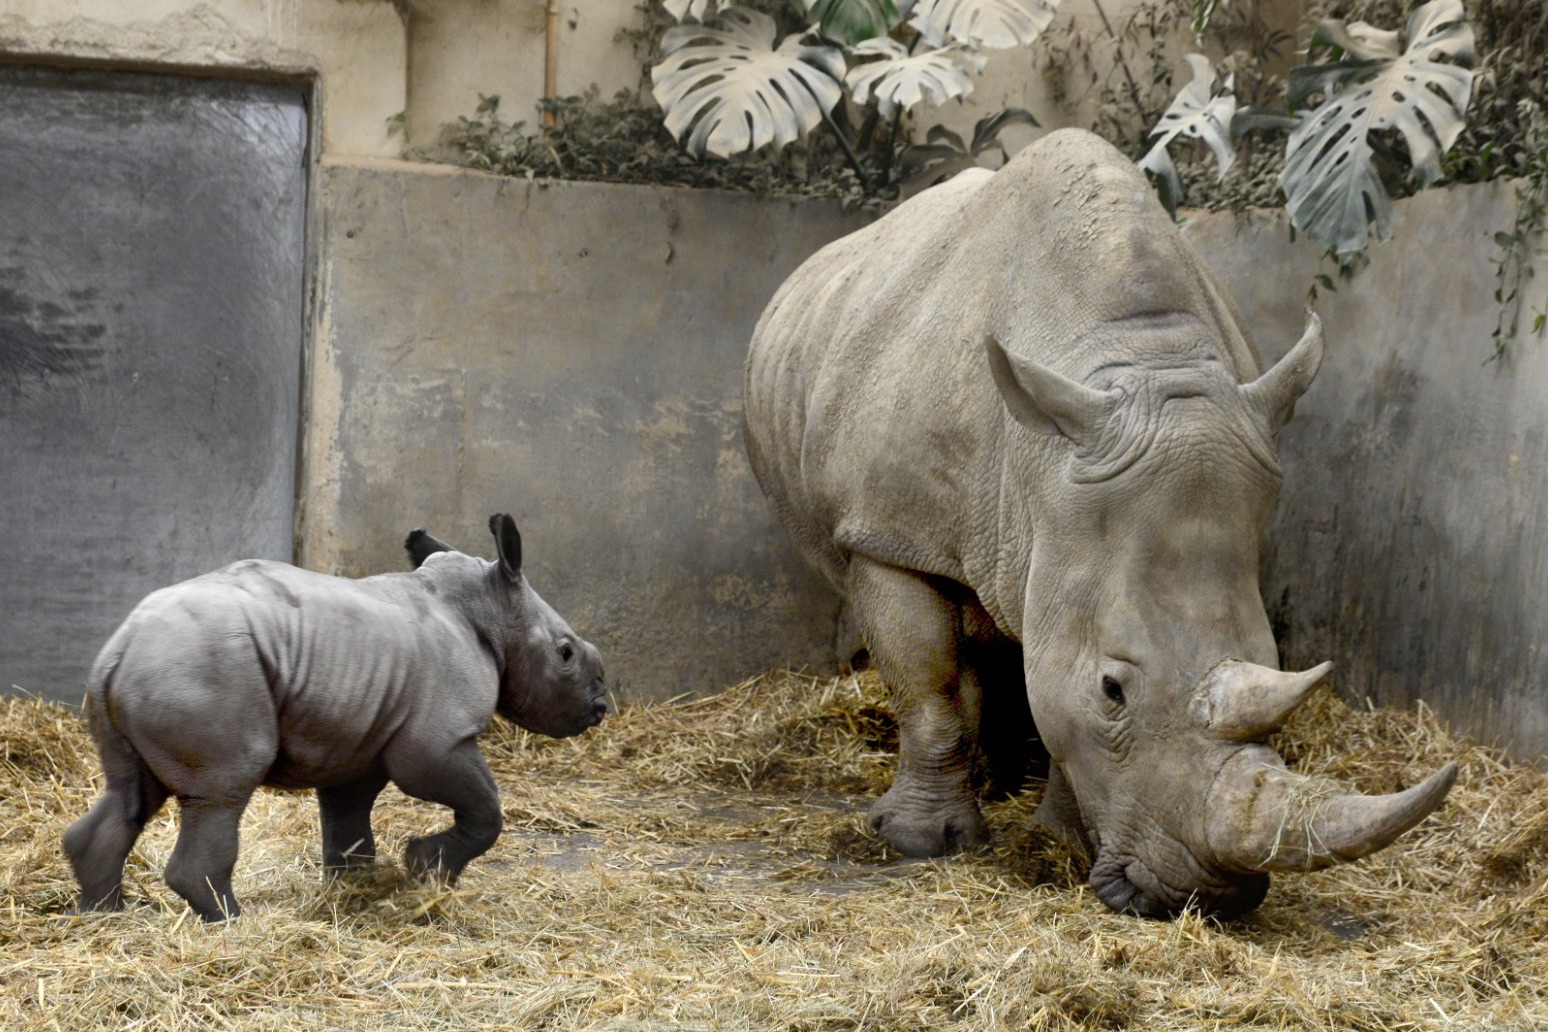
x,y
917,822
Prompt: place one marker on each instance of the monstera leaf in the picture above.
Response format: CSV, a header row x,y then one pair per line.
x,y
944,154
698,10
852,21
1197,113
1330,177
994,24
901,80
727,90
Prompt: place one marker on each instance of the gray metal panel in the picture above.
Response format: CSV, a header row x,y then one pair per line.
x,y
151,304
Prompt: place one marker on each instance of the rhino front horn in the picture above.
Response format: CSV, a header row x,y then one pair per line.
x,y
1264,818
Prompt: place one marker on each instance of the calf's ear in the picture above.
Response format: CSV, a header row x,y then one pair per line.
x,y
508,541
421,546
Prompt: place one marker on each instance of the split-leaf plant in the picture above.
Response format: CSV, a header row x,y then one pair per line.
x,y
855,69
1369,108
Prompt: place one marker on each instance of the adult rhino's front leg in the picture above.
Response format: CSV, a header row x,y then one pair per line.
x,y
913,630
459,779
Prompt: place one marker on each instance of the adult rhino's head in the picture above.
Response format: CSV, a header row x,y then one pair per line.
x,y
551,679
1151,669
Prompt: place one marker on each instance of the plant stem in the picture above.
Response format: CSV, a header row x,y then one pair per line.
x,y
1134,92
849,151
897,120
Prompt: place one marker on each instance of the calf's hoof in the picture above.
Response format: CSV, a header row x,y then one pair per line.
x,y
424,858
919,825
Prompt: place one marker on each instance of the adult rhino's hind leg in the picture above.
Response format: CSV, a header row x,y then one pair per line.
x,y
913,629
346,822
1007,735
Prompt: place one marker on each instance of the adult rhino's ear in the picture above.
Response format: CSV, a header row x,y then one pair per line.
x,y
1042,400
421,546
508,541
1275,392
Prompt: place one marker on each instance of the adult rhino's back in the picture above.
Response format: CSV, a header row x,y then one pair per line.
x,y
872,422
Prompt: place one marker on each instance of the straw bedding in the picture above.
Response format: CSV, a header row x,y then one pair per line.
x,y
704,865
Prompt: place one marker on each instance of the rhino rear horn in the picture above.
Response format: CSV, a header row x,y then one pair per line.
x,y
1042,400
421,546
508,541
1243,702
1275,392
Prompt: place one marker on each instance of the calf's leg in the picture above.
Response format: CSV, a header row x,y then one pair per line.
x,y
346,822
99,842
205,855
461,780
913,629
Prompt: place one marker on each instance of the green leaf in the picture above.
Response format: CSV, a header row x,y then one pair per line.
x,y
940,135
1203,12
1252,118
727,90
986,131
852,21
696,10
1330,177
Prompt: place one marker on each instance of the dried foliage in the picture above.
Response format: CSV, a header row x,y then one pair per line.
x,y
702,865
624,141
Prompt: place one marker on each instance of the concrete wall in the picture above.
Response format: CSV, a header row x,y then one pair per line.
x,y
579,363
571,353
464,48
1411,541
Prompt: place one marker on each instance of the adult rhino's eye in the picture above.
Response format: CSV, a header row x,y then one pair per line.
x,y
1113,690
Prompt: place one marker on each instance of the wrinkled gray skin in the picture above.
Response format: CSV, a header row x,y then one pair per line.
x,y
1021,429
264,674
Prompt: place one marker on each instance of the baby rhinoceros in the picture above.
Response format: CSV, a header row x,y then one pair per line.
x,y
265,674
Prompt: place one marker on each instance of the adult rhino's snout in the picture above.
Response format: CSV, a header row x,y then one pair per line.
x,y
1264,818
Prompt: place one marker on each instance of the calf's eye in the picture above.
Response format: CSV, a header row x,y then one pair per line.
x,y
566,652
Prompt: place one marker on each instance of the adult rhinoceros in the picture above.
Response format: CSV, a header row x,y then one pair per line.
x,y
1019,411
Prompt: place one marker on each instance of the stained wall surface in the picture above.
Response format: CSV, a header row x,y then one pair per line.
x,y
1411,541
570,353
